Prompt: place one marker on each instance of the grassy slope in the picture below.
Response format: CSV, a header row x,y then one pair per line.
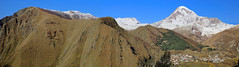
x,y
170,41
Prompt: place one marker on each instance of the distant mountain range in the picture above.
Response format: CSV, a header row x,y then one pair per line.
x,y
185,22
182,19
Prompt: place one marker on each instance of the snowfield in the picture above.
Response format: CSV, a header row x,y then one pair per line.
x,y
129,23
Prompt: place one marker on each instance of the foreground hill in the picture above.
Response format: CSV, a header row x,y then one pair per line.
x,y
35,37
226,40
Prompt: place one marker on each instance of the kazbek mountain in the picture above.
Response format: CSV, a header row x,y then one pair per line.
x,y
189,24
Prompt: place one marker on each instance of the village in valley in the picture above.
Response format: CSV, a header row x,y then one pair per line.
x,y
176,59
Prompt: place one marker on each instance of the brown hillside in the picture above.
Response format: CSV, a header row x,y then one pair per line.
x,y
226,40
150,34
33,37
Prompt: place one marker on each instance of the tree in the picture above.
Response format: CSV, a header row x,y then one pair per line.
x,y
164,61
146,62
237,64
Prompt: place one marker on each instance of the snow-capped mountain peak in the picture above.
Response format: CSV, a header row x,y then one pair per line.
x,y
129,23
185,10
73,14
182,11
185,19
128,20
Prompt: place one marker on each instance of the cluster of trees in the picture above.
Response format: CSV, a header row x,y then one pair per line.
x,y
146,62
211,49
237,64
171,41
164,61
202,46
150,62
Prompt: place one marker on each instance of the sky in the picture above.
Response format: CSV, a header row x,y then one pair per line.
x,y
146,11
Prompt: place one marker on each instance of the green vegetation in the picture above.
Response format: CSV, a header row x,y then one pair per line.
x,y
201,46
211,49
170,41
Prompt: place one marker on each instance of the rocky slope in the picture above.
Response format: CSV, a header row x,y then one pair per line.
x,y
189,24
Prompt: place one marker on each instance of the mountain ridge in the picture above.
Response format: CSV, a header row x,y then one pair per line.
x,y
183,16
183,21
38,38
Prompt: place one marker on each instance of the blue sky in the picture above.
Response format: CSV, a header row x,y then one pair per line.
x,y
146,11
